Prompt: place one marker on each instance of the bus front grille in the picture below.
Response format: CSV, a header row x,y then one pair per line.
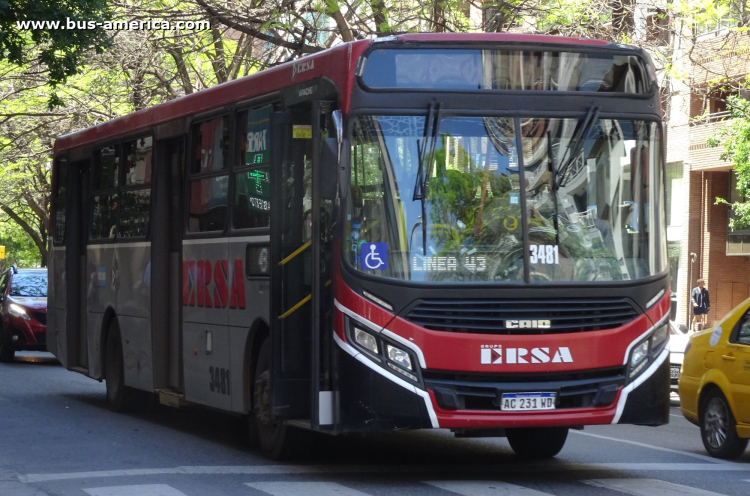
x,y
484,391
539,316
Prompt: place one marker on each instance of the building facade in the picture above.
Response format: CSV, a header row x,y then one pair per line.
x,y
701,245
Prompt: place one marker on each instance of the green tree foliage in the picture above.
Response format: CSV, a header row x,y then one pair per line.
x,y
61,51
19,247
735,138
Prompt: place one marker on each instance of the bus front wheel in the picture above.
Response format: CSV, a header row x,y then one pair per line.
x,y
277,440
537,442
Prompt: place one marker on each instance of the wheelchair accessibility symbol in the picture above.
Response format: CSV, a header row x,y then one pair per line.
x,y
374,256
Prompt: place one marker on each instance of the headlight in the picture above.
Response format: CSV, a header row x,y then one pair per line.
x,y
400,357
638,358
646,351
386,353
366,340
18,311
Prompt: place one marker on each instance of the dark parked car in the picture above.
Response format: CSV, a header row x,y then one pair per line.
x,y
23,311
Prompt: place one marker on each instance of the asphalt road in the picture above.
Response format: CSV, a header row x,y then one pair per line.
x,y
59,438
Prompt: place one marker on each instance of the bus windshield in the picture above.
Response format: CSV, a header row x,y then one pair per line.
x,y
582,195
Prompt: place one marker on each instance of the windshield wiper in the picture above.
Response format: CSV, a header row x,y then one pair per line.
x,y
551,168
425,155
426,151
584,126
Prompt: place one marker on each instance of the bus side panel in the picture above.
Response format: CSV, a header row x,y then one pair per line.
x,y
257,306
101,280
134,288
134,312
210,292
238,338
102,277
208,380
56,298
136,352
57,335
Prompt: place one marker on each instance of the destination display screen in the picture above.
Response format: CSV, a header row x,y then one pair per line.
x,y
461,69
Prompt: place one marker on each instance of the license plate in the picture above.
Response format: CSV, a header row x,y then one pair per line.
x,y
674,372
527,401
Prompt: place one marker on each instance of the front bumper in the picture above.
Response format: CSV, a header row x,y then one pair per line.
x,y
374,399
26,334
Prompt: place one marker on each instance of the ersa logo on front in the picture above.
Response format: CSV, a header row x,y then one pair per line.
x,y
493,354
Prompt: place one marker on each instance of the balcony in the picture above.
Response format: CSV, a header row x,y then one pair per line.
x,y
700,154
725,54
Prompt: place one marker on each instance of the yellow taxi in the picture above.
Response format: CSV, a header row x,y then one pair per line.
x,y
714,383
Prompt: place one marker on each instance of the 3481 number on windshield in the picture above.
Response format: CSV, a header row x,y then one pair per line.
x,y
545,254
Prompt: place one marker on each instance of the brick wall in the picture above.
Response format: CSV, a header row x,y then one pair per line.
x,y
701,156
691,242
719,56
728,277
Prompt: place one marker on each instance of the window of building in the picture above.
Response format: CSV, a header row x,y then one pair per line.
x,y
657,27
722,20
710,104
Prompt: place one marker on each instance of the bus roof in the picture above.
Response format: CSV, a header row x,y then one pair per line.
x,y
336,64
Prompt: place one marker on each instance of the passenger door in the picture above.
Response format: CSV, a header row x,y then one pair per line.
x,y
166,265
300,316
80,279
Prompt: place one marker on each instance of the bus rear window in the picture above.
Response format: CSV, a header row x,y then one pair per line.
x,y
513,70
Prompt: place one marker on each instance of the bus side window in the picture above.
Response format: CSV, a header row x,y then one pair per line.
x,y
136,194
208,196
105,205
211,144
60,201
251,202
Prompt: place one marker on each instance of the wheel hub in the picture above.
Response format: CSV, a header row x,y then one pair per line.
x,y
716,423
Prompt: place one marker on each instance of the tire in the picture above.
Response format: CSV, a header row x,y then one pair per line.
x,y
120,398
719,429
7,351
537,442
277,440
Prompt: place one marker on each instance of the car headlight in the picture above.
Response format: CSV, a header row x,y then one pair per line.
x,y
647,350
18,311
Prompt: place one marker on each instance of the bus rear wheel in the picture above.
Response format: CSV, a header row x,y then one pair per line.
x,y
120,398
537,442
277,440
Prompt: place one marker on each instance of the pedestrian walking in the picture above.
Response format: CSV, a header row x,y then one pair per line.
x,y
701,305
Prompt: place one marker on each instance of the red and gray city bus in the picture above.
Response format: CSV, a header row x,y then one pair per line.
x,y
459,231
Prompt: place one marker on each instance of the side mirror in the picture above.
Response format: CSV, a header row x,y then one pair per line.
x,y
334,167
